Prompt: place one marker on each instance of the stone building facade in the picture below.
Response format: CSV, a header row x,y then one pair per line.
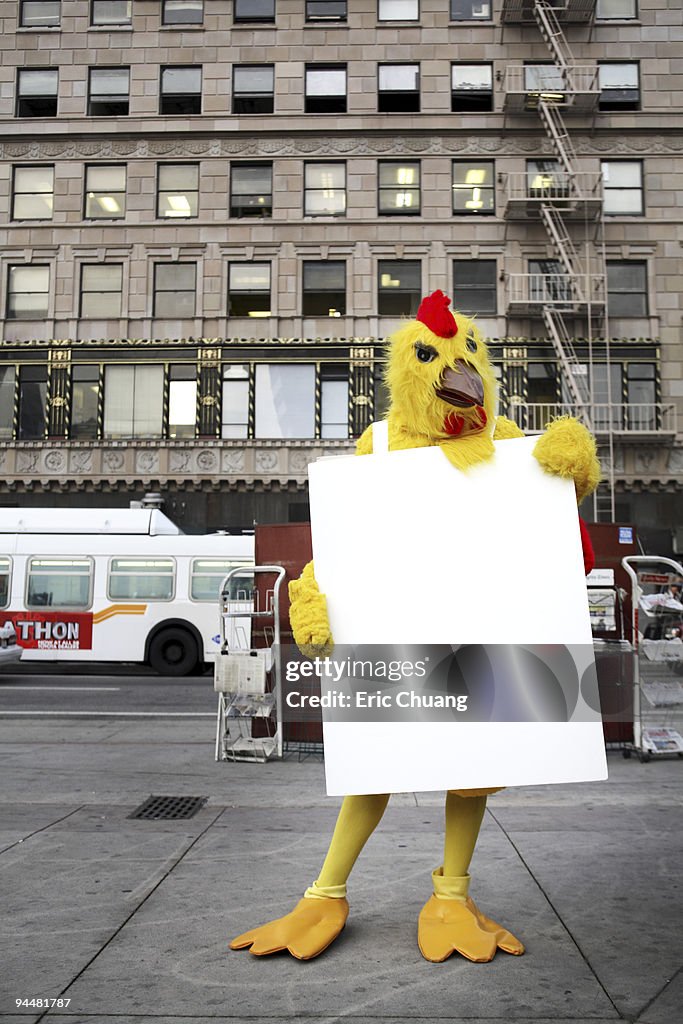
x,y
213,213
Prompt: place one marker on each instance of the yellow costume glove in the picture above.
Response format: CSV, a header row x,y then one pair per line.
x,y
568,450
306,932
450,922
308,616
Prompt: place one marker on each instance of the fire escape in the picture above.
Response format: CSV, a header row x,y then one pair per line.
x,y
568,292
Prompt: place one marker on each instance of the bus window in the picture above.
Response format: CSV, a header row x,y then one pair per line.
x,y
5,569
209,573
141,579
59,583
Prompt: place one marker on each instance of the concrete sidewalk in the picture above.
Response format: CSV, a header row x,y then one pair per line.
x,y
129,920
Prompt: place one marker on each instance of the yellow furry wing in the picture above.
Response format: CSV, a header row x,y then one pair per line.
x,y
308,616
568,449
364,442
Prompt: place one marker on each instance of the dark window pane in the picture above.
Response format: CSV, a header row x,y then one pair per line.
x,y
253,89
84,401
7,386
398,88
111,12
619,87
470,10
474,286
471,88
251,188
254,10
32,398
183,12
326,10
325,89
181,90
108,92
37,93
400,286
324,288
249,289
627,288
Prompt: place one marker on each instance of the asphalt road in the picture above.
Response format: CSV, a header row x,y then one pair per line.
x,y
80,690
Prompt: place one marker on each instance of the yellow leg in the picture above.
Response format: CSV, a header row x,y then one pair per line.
x,y
319,917
450,921
358,818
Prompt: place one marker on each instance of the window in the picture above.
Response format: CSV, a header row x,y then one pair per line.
x,y
181,91
471,88
399,187
235,404
28,289
183,12
474,187
616,10
251,190
398,10
7,387
133,401
542,383
85,389
178,190
108,95
398,88
32,403
324,288
285,400
5,578
627,288
105,192
182,400
39,14
325,89
470,10
334,401
253,89
623,184
546,81
400,287
325,190
101,285
326,10
141,579
641,389
546,179
111,12
59,583
174,289
475,286
208,573
619,87
548,282
605,386
37,93
249,289
33,193
254,10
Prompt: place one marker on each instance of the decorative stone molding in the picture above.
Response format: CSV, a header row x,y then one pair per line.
x,y
369,143
229,465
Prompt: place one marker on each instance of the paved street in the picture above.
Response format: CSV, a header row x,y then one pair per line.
x,y
129,920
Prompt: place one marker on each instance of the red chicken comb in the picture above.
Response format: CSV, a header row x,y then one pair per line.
x,y
435,314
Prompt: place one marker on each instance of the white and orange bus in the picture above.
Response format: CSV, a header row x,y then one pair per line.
x,y
112,585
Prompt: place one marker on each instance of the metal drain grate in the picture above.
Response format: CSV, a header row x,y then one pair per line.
x,y
165,808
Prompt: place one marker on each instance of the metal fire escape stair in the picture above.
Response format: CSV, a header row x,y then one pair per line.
x,y
581,286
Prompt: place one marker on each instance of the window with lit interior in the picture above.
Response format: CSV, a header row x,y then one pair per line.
x,y
105,192
178,190
474,187
249,289
325,190
399,287
399,187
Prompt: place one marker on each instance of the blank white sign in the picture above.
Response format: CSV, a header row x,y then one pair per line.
x,y
410,550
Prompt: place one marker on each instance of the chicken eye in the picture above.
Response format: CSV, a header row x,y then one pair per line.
x,y
425,353
471,344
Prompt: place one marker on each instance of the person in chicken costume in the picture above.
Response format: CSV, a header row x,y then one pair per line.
x,y
442,390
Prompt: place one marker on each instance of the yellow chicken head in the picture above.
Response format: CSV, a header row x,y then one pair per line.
x,y
439,376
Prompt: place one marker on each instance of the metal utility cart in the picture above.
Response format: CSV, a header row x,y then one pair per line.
x,y
247,678
657,627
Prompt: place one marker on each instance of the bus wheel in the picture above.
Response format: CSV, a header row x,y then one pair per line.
x,y
173,652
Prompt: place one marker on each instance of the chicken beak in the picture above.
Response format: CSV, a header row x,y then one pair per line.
x,y
461,385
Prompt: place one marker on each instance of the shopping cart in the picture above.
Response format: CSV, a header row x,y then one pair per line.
x,y
657,627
